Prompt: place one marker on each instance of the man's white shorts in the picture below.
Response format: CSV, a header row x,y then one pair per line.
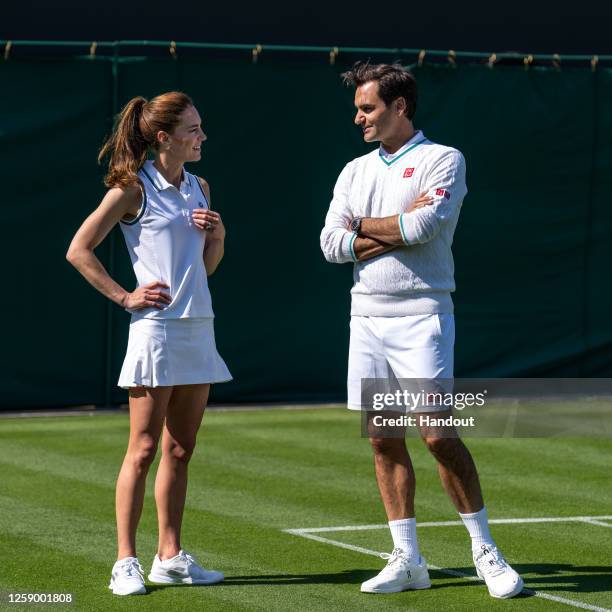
x,y
415,346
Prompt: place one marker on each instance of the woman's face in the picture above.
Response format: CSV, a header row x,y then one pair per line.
x,y
185,142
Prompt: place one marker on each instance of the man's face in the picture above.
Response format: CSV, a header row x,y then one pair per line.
x,y
377,120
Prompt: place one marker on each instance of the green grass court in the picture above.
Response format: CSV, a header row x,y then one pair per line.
x,y
258,473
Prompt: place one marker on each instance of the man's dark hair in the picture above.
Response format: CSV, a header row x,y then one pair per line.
x,y
394,81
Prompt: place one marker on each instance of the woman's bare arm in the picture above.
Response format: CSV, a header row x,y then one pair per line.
x,y
115,205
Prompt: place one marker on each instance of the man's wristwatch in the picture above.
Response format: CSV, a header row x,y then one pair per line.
x,y
356,224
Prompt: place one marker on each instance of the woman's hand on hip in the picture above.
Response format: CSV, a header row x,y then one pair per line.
x,y
148,296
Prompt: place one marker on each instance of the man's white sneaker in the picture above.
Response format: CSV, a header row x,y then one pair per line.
x,y
127,578
182,569
400,574
501,580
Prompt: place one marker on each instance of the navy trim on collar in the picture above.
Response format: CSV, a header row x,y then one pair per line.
x,y
158,189
202,190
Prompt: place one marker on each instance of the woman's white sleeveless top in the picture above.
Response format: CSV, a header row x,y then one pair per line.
x,y
165,245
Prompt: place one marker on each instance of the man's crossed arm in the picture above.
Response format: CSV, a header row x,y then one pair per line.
x,y
340,242
379,235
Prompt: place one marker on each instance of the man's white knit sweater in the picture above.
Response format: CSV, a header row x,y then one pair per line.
x,y
416,278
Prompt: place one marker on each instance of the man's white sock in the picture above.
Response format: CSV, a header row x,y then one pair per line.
x,y
404,536
478,527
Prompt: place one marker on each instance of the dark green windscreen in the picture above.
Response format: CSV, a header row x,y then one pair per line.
x,y
532,248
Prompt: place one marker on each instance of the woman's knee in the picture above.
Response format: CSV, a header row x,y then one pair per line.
x,y
180,451
142,451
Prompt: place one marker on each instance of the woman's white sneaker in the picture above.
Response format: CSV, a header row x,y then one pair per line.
x,y
501,580
182,569
400,574
127,577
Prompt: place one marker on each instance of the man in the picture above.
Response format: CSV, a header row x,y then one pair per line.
x,y
393,214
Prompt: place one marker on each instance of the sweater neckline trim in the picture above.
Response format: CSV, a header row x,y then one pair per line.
x,y
389,163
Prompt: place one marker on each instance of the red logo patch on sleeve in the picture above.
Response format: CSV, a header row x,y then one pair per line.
x,y
408,172
443,192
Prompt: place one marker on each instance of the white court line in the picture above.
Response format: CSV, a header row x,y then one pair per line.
x,y
309,534
594,520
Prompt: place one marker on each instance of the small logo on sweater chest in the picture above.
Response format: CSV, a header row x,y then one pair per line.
x,y
443,192
408,172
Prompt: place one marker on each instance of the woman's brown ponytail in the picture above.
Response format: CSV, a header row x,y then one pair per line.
x,y
136,132
127,146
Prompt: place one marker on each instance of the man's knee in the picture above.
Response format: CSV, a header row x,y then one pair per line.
x,y
387,446
444,449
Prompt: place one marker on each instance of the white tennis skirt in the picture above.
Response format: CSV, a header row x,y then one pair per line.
x,y
168,352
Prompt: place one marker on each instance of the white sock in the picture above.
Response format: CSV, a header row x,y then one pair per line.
x,y
404,536
477,525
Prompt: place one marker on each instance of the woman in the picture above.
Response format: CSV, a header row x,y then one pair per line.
x,y
174,241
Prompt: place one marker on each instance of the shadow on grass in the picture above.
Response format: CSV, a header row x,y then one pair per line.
x,y
539,577
555,576
353,576
345,577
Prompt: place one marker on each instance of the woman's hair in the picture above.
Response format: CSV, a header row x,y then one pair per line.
x,y
135,132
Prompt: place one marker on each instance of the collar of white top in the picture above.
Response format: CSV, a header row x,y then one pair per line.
x,y
389,158
158,180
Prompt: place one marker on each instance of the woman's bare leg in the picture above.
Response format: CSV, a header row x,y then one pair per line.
x,y
183,419
147,412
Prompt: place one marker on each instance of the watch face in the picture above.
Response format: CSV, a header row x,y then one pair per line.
x,y
356,224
